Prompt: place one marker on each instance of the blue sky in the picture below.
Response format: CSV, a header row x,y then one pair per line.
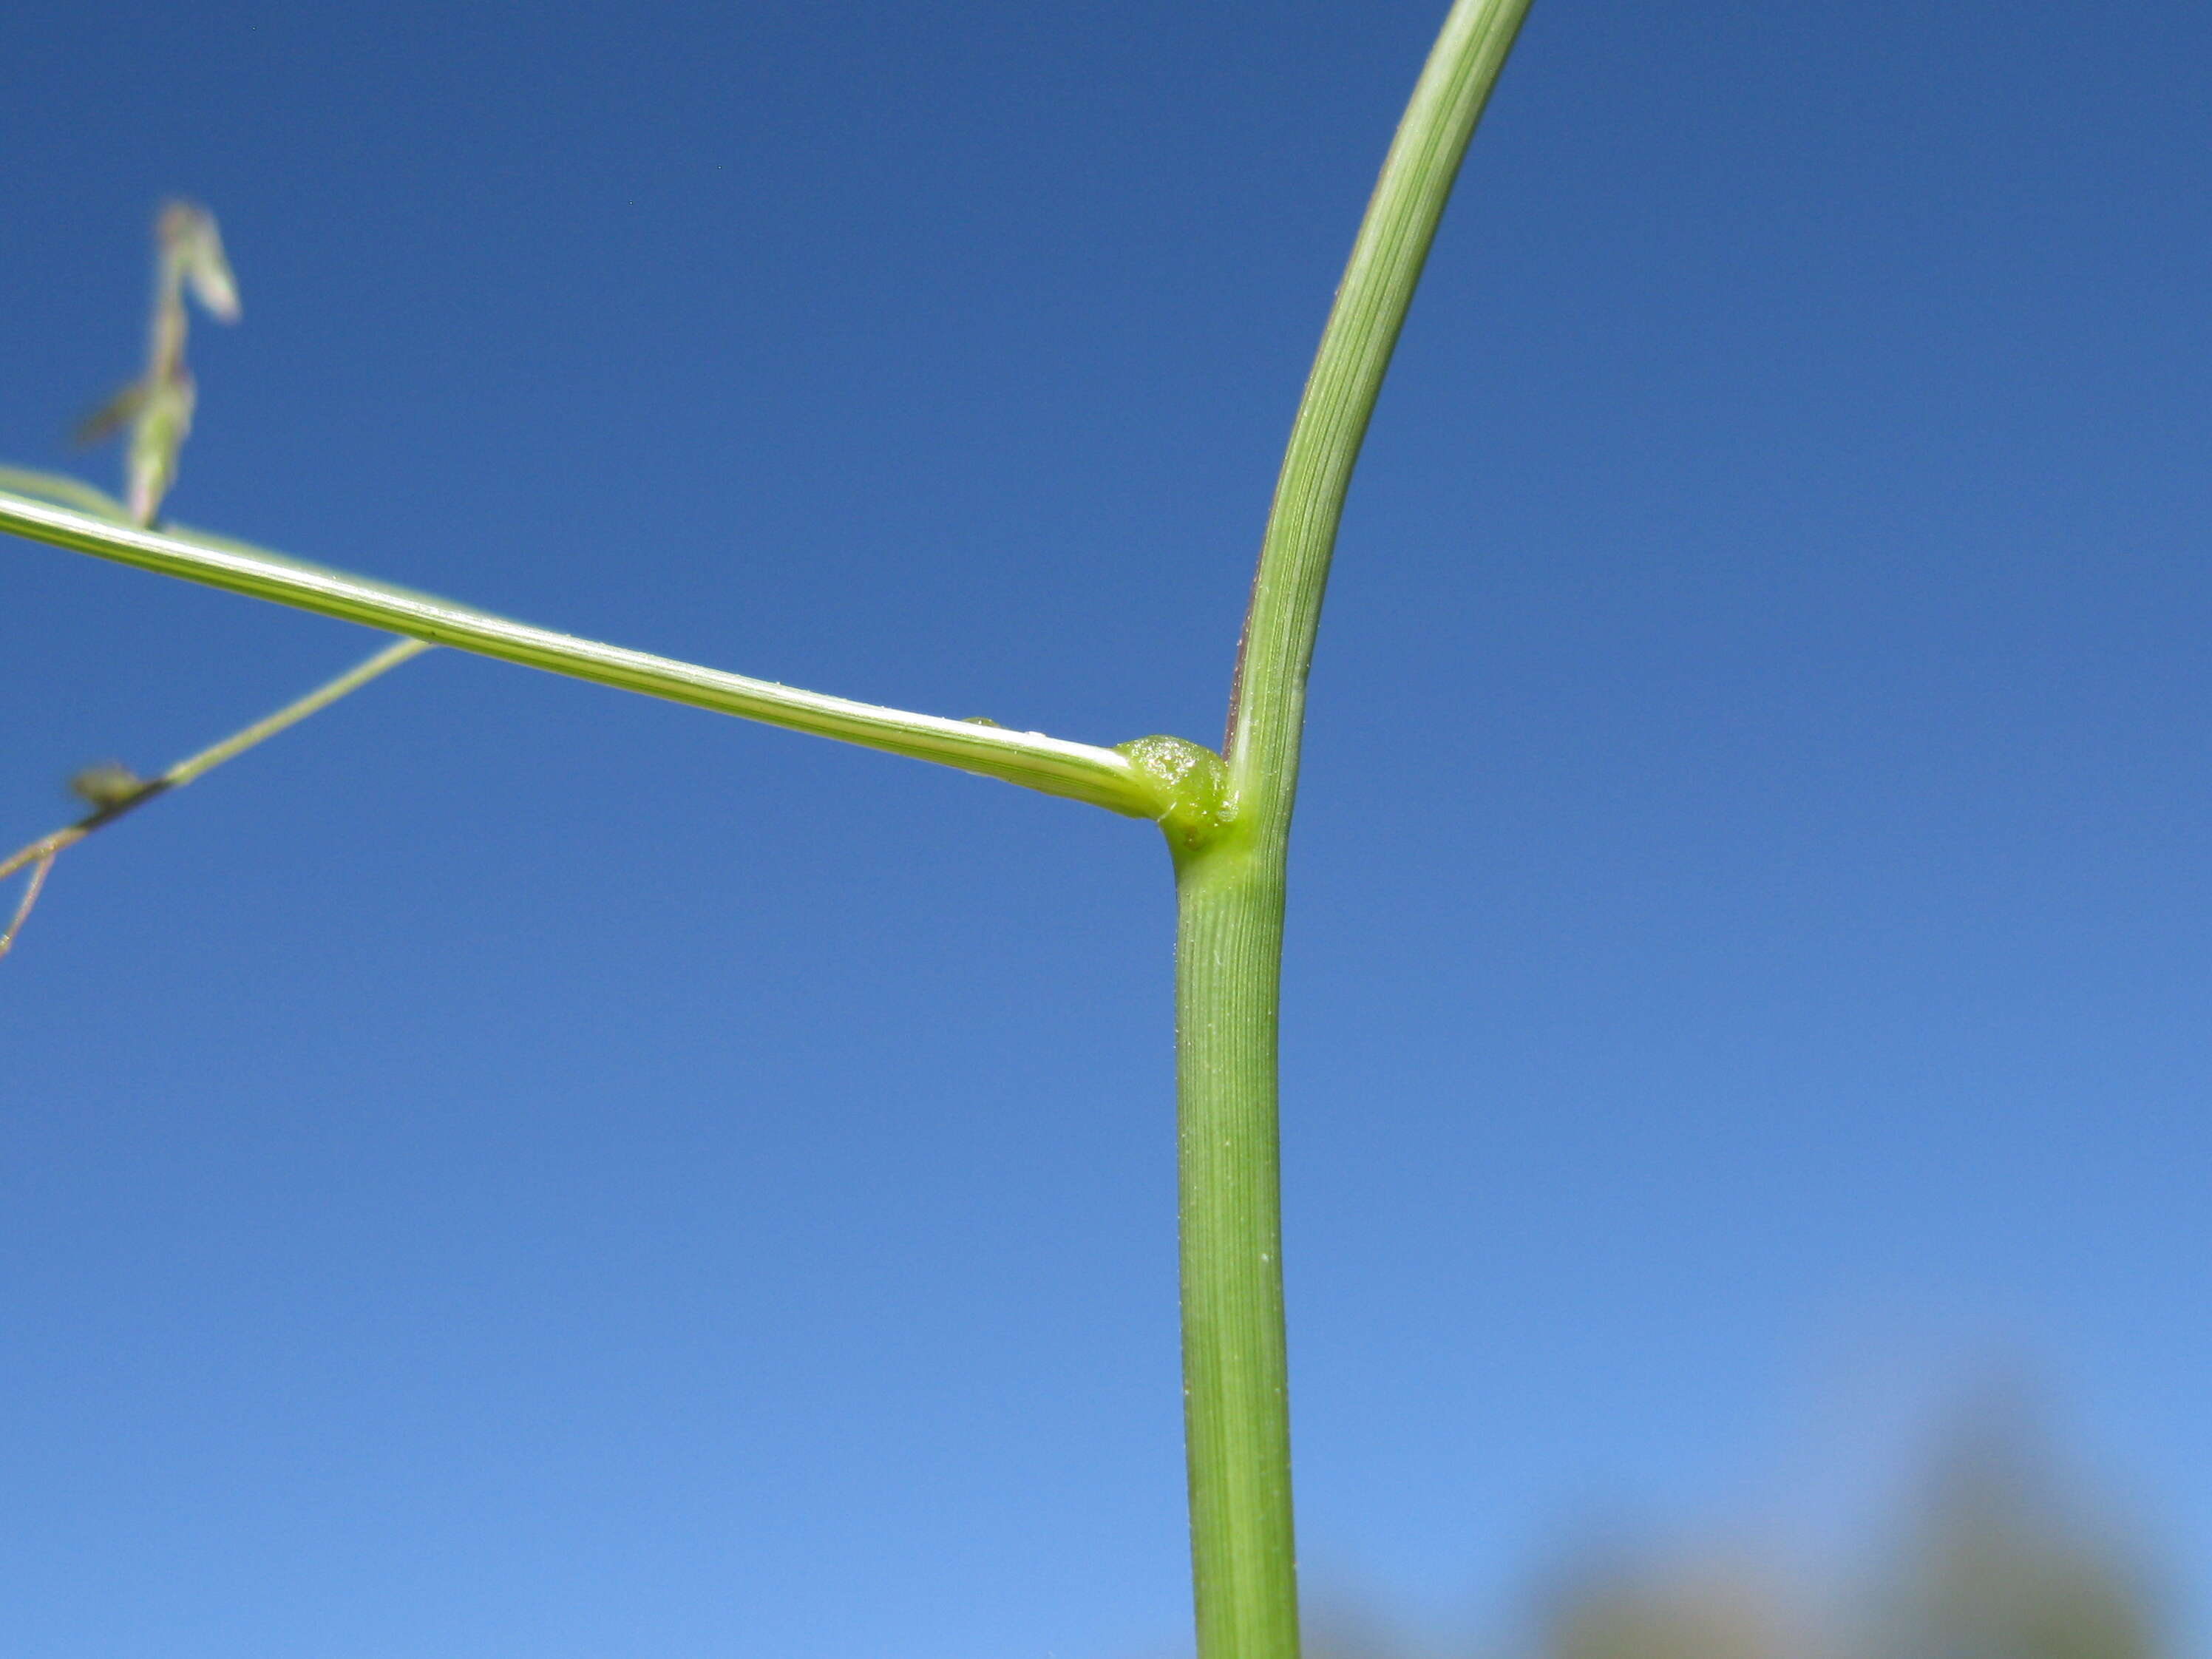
x,y
512,1168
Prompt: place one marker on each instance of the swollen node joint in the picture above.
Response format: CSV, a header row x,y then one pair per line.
x,y
1191,785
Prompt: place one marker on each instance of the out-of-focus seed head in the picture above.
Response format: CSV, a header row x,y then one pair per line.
x,y
187,235
106,783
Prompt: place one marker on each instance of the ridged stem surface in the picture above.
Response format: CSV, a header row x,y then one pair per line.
x,y
1235,1408
1230,889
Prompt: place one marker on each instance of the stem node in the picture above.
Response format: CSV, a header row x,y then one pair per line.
x,y
1192,782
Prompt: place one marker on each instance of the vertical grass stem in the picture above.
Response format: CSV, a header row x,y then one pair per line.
x,y
1230,889
1236,1418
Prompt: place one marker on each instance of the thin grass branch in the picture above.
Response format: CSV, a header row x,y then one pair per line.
x,y
115,793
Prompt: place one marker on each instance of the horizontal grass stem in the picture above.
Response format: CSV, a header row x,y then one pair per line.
x,y
1030,759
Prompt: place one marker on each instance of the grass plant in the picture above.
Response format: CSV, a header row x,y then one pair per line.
x,y
1226,815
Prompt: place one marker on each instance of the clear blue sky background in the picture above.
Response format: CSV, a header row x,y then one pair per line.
x,y
513,1169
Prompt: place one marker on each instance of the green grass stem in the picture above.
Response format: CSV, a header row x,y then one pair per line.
x,y
1104,777
1230,885
1227,820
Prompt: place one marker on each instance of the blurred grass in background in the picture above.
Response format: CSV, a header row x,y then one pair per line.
x,y
1993,1557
